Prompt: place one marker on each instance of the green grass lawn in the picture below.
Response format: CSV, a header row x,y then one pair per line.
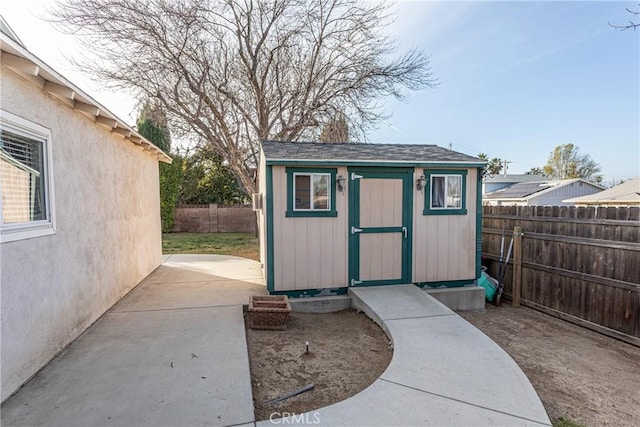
x,y
237,244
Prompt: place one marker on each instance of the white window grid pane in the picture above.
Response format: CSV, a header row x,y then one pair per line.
x,y
438,192
319,186
297,188
454,191
446,192
321,192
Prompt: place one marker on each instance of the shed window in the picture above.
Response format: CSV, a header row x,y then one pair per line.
x,y
445,192
310,192
24,179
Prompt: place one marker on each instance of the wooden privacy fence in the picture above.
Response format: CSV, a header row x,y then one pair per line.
x,y
581,264
214,218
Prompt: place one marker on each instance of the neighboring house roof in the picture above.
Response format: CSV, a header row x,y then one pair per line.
x,y
527,190
361,153
513,178
18,58
626,193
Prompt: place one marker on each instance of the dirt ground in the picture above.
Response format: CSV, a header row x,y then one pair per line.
x,y
347,353
579,375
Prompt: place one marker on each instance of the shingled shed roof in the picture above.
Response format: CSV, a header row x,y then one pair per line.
x,y
277,152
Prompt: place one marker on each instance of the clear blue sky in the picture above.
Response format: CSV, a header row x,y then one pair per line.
x,y
519,78
516,78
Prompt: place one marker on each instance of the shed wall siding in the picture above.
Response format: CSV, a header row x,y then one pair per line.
x,y
107,240
309,252
262,229
444,245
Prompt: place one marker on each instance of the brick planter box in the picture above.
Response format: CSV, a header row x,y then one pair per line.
x,y
269,312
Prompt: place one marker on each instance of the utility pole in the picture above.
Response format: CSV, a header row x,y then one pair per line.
x,y
506,166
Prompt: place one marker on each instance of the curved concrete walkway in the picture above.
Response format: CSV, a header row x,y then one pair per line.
x,y
444,371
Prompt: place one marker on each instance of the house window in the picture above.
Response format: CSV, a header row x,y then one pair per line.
x,y
445,193
310,192
25,180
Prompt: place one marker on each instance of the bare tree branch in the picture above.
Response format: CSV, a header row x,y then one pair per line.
x,y
233,72
631,25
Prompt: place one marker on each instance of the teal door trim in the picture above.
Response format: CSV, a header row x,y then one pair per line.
x,y
355,175
270,244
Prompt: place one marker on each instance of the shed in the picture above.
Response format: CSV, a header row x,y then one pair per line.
x,y
332,216
80,214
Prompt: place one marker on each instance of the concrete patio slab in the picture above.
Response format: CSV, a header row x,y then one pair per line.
x,y
193,268
387,404
171,353
169,367
168,295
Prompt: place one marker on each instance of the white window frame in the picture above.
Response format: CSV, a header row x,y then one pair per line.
x,y
446,187
311,175
28,230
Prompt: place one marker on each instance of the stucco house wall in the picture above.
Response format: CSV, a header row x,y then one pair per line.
x,y
107,234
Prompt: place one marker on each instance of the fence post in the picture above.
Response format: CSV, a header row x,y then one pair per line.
x,y
214,226
517,266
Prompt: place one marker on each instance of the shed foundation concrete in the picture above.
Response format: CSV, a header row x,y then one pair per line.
x,y
469,298
320,304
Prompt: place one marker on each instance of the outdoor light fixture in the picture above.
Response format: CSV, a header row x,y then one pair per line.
x,y
340,180
422,181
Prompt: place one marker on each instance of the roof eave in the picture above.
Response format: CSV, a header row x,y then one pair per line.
x,y
348,162
22,62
